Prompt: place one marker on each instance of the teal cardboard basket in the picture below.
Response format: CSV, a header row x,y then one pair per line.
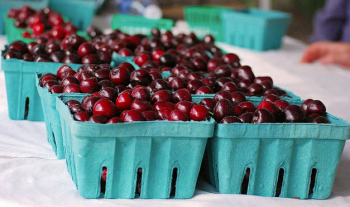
x,y
79,12
255,29
22,96
52,117
117,59
6,5
291,160
167,152
133,24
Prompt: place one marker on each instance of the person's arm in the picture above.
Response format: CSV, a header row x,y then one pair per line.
x,y
328,53
329,21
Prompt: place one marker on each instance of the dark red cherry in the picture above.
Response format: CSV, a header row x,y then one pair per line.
x,y
101,119
305,104
282,104
209,103
182,95
68,80
213,64
220,82
321,120
114,120
244,84
184,106
177,116
245,73
316,106
246,117
230,58
177,83
81,116
194,85
44,79
108,93
247,106
223,71
255,89
140,105
86,49
230,87
163,113
204,90
74,108
89,85
88,103
271,98
123,101
56,89
223,95
162,95
133,115
261,79
199,113
150,115
102,74
262,116
71,102
311,117
72,88
160,84
141,93
72,58
91,59
294,113
63,69
163,104
272,108
120,75
238,97
105,107
230,119
223,108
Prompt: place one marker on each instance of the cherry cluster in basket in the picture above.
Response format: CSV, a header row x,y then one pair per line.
x,y
43,22
137,105
234,108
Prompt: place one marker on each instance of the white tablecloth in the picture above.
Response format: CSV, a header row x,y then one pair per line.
x,y
30,175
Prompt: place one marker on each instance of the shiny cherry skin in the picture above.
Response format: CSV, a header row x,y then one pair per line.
x,y
81,116
86,49
223,95
194,85
316,106
230,119
68,80
246,117
72,88
133,115
230,87
162,95
105,107
177,83
88,103
89,85
247,106
182,95
71,102
272,108
120,75
199,113
245,73
108,93
63,69
140,105
123,101
74,108
56,89
176,115
255,89
141,93
282,104
238,97
321,120
100,119
150,115
114,120
222,109
294,113
163,104
271,98
163,113
204,90
263,116
184,106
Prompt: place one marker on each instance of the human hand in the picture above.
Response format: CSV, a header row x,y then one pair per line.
x,y
328,53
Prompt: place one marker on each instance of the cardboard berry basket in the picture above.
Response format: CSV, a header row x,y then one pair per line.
x,y
254,29
133,24
51,117
22,96
166,153
5,5
291,160
79,12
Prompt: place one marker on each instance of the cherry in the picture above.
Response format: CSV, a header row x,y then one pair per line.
x,y
270,91
72,88
230,119
213,64
72,58
209,82
316,106
199,113
56,89
311,117
244,84
247,106
141,77
176,115
50,83
263,116
208,39
261,79
246,117
71,102
128,66
125,52
69,80
91,59
133,115
182,95
140,105
163,104
81,116
86,49
163,113
238,110
18,46
272,108
199,64
267,85
293,113
255,89
238,97
57,56
123,101
141,59
204,90
223,71
160,84
220,82
120,75
245,73
321,120
282,104
51,48
9,54
209,103
162,95
155,75
193,76
230,87
305,104
105,107
89,85
177,83
44,79
223,95
88,103
184,106
271,98
141,93
102,74
194,85
167,60
114,120
223,108
108,93
150,115
230,58
101,119
74,108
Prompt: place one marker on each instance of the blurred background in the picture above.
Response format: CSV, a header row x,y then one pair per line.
x,y
302,11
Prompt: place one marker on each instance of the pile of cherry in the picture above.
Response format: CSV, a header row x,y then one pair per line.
x,y
43,23
115,99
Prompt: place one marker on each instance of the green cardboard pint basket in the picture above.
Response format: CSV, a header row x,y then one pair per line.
x,y
291,160
22,96
167,152
133,24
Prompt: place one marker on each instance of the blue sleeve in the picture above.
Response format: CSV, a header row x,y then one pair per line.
x,y
329,21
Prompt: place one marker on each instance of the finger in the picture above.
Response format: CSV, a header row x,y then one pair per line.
x,y
341,59
315,52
